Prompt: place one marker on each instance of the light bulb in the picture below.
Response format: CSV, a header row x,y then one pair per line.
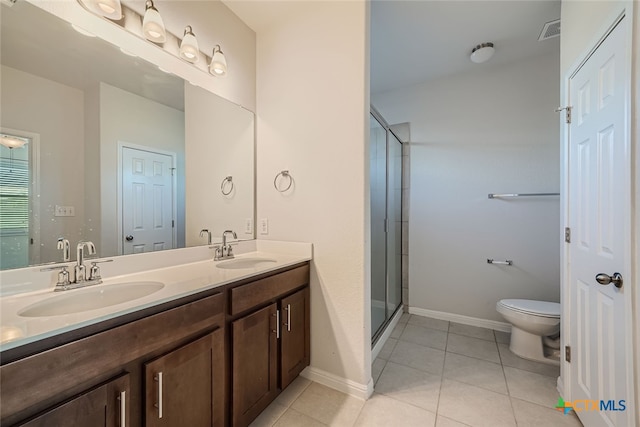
x,y
189,49
152,24
218,64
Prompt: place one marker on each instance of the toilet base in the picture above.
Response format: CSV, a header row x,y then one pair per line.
x,y
531,347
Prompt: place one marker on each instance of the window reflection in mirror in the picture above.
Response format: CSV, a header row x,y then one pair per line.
x,y
114,140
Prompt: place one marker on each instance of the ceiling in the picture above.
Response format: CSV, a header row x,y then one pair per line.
x,y
417,41
56,52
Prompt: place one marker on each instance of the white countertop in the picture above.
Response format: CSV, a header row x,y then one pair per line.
x,y
179,280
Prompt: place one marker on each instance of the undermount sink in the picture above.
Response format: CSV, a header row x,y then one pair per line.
x,y
90,298
237,264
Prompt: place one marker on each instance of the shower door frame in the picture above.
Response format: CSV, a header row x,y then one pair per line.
x,y
389,314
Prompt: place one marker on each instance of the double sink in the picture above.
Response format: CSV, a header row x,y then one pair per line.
x,y
92,298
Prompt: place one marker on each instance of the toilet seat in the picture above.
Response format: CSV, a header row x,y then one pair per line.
x,y
532,307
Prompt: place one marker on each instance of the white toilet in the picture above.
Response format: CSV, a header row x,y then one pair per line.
x,y
534,330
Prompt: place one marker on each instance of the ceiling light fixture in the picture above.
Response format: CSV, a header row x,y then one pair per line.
x,y
152,24
482,53
111,9
218,64
12,141
189,46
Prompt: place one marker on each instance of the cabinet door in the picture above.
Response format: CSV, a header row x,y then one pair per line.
x,y
255,352
105,405
295,343
182,387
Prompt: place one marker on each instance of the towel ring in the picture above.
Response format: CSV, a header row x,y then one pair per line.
x,y
225,182
285,174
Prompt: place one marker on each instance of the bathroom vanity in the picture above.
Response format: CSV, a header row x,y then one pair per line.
x,y
210,356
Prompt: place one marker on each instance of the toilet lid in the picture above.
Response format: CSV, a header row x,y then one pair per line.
x,y
538,308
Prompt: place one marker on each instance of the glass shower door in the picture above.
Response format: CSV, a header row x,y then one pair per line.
x,y
386,225
394,221
378,185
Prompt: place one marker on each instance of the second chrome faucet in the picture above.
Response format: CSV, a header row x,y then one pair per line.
x,y
226,250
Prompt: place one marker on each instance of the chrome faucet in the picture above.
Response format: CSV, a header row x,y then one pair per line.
x,y
202,232
80,278
63,244
80,269
225,251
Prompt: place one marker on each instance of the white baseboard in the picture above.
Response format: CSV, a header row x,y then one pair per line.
x,y
352,388
385,335
459,318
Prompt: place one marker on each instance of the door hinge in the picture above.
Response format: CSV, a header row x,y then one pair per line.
x,y
173,223
567,234
386,225
567,353
567,112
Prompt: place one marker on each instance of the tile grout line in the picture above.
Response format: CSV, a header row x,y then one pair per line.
x,y
506,383
444,362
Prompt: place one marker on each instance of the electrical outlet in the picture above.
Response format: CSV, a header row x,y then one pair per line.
x,y
264,226
248,226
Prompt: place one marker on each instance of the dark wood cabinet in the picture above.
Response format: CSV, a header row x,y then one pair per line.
x,y
106,405
255,363
216,358
295,341
180,386
270,345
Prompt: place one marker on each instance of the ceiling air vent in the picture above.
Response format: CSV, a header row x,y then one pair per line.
x,y
550,30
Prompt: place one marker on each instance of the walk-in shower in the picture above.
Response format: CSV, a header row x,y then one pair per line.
x,y
386,223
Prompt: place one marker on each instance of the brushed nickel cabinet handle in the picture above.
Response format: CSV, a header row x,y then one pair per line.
x,y
288,317
123,408
159,404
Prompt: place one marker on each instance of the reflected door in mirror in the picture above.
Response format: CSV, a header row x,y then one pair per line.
x,y
147,201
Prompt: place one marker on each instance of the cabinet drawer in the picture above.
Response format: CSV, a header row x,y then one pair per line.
x,y
247,296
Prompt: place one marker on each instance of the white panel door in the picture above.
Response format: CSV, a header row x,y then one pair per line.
x,y
147,201
599,216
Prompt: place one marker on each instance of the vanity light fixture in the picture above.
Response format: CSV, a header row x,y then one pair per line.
x,y
189,50
152,24
218,64
482,53
111,9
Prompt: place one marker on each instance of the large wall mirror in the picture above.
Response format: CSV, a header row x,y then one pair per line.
x,y
99,145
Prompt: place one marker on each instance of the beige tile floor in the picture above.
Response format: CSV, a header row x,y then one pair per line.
x,y
433,373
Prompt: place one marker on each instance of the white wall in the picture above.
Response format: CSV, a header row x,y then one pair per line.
x,y
219,140
493,130
34,104
125,117
312,119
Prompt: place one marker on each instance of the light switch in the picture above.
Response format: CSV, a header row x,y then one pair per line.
x,y
64,211
248,226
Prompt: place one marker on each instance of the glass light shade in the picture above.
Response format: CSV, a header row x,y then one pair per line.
x,y
482,53
153,26
111,9
11,142
189,50
218,64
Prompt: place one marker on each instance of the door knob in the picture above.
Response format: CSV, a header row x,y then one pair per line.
x,y
605,279
129,238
